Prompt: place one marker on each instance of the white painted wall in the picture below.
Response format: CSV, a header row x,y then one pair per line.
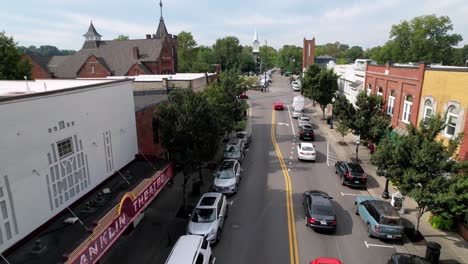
x,y
25,141
348,74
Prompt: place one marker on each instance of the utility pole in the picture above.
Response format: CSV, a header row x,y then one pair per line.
x,y
265,68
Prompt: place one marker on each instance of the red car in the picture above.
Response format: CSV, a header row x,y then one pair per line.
x,y
278,105
326,261
243,96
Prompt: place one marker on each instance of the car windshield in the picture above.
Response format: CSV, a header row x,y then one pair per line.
x,y
304,118
319,209
307,148
297,111
225,174
355,168
232,149
307,127
203,215
240,135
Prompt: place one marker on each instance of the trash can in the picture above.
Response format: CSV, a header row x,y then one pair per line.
x,y
196,187
433,252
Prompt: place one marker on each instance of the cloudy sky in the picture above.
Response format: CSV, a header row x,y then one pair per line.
x,y
364,23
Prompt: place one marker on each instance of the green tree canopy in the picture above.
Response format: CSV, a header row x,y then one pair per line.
x,y
289,58
12,67
227,51
271,56
122,37
320,85
186,45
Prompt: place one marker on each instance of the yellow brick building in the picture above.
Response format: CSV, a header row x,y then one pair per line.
x,y
445,90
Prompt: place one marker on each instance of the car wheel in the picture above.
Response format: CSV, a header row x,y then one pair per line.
x,y
236,189
356,211
369,232
313,139
336,171
342,180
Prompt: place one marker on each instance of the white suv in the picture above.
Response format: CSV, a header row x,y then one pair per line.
x,y
208,217
191,250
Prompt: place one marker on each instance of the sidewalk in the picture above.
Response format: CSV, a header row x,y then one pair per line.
x,y
454,248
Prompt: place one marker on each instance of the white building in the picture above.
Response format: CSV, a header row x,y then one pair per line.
x,y
351,78
59,139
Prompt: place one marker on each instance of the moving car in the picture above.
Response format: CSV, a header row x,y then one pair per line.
x,y
227,177
278,105
306,151
306,132
351,173
401,258
191,249
381,218
318,209
297,113
208,217
326,261
235,149
246,136
303,120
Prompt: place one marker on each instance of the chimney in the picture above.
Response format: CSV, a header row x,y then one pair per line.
x,y
148,36
136,53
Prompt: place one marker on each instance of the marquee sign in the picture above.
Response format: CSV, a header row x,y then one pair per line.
x,y
114,223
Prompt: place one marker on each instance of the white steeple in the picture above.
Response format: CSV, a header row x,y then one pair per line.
x,y
256,43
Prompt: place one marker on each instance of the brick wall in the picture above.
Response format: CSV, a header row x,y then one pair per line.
x,y
463,153
144,122
308,53
135,69
37,72
92,68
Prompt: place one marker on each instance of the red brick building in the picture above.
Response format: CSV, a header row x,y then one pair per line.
x,y
156,54
400,87
308,53
39,68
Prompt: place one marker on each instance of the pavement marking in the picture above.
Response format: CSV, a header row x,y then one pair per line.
x,y
293,250
283,124
376,245
290,118
290,157
353,194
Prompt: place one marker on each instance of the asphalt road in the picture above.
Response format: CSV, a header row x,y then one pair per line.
x,y
257,228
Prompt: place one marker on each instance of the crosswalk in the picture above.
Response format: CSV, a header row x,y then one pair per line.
x,y
332,157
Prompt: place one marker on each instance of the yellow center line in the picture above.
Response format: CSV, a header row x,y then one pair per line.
x,y
293,251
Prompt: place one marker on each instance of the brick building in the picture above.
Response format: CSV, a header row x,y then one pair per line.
x,y
156,54
39,68
400,87
308,53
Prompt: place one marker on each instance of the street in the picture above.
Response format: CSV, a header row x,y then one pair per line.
x,y
257,228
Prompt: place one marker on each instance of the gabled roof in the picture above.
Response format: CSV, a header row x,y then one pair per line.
x,y
41,60
117,55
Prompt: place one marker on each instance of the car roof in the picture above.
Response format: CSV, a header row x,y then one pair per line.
x,y
403,258
321,200
227,164
208,200
305,144
326,261
304,117
356,167
185,249
384,208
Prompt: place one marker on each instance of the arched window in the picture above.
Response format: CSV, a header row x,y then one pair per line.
x,y
380,91
428,109
452,118
408,104
391,103
369,88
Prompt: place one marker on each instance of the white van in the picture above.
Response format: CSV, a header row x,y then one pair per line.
x,y
191,249
298,103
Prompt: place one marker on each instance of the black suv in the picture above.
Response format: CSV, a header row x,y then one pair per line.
x,y
351,174
306,132
318,209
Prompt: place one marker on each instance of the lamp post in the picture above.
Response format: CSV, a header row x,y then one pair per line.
x,y
385,193
358,141
333,107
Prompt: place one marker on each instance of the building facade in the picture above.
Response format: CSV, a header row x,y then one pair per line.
x,y
65,138
445,92
308,53
351,78
400,87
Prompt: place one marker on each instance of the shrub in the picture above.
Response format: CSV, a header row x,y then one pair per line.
x,y
442,223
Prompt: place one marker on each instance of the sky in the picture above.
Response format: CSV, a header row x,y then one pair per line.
x,y
364,23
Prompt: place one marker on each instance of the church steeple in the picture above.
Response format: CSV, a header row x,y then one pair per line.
x,y
162,30
92,37
256,43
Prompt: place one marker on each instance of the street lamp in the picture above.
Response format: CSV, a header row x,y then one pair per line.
x,y
385,193
333,107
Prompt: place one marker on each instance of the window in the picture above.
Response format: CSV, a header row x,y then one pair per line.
x,y
4,210
155,131
135,72
92,69
380,92
369,89
391,103
65,147
428,110
407,109
452,117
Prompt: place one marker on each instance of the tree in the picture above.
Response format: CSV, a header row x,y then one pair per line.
x,y
205,58
12,67
343,129
423,38
354,53
271,56
289,58
227,52
186,51
344,111
370,121
418,163
45,50
320,85
122,37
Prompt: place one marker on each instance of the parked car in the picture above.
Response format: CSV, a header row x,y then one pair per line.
x,y
319,210
306,151
246,136
306,132
191,249
303,120
278,105
381,218
351,173
227,177
208,217
326,261
298,103
235,149
296,87
297,113
401,258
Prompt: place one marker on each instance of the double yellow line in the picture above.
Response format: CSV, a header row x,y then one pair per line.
x,y
293,253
